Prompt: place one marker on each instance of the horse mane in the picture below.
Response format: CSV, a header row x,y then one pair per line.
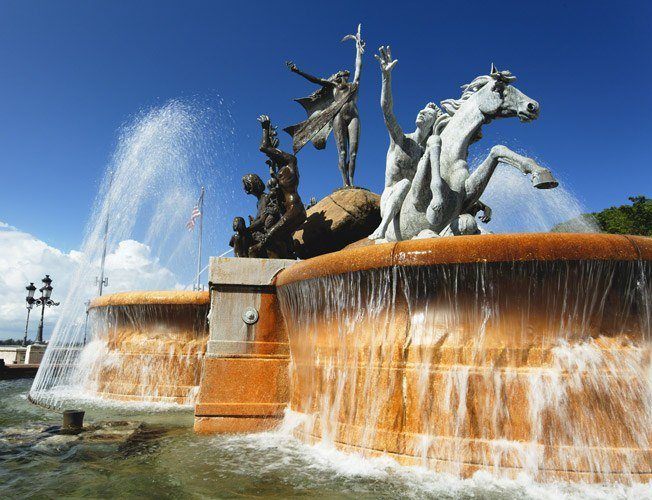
x,y
451,106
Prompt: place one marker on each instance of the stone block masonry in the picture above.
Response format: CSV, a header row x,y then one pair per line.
x,y
244,384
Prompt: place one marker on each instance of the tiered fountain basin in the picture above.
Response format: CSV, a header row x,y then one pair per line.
x,y
149,346
508,353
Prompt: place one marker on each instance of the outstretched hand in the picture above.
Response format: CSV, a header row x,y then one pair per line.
x,y
359,42
384,57
264,121
291,66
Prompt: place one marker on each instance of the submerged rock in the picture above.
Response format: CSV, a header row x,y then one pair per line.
x,y
43,437
343,217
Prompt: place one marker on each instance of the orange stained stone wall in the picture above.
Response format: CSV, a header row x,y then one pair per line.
x,y
148,346
244,385
247,391
525,358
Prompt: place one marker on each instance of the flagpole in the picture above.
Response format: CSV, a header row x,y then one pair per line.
x,y
105,243
201,223
102,282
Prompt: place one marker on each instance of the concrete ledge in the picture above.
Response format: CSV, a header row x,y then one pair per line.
x,y
11,372
231,425
521,247
240,271
239,410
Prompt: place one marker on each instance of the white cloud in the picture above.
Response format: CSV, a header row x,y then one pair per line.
x,y
132,267
24,259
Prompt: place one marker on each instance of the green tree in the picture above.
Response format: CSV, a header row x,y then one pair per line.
x,y
627,219
13,341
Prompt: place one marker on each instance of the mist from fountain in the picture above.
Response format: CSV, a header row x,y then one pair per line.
x,y
517,208
148,190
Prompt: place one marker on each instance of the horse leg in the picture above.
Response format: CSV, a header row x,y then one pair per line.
x,y
354,135
463,224
340,132
477,182
390,204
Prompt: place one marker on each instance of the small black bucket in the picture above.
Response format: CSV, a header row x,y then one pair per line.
x,y
73,422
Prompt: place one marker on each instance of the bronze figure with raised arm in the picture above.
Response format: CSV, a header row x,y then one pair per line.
x,y
276,242
333,106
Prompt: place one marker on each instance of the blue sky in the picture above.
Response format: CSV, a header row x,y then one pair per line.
x,y
73,72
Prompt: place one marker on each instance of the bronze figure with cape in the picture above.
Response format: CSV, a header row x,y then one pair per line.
x,y
332,107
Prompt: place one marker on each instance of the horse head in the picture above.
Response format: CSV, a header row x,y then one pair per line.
x,y
496,97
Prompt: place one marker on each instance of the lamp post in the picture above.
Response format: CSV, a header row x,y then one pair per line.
x,y
30,303
44,300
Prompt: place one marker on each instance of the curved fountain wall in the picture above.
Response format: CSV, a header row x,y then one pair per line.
x,y
508,353
147,346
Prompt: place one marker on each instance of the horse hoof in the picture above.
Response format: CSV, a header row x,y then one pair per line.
x,y
543,179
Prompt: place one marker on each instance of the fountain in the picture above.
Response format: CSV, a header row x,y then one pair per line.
x,y
149,346
162,158
514,354
429,341
507,353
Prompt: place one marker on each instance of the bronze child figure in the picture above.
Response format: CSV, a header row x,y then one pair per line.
x,y
241,240
276,242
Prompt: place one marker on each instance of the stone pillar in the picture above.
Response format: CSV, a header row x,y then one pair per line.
x,y
244,385
34,354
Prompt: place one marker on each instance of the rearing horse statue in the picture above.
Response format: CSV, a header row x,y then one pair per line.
x,y
444,196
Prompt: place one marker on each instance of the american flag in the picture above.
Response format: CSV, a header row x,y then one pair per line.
x,y
190,225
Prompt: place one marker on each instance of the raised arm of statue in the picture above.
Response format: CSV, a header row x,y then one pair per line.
x,y
313,79
269,142
386,100
359,50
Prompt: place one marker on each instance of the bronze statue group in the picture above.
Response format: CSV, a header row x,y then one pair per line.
x,y
280,210
429,188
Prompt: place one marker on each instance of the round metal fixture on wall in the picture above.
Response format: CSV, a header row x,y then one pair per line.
x,y
250,316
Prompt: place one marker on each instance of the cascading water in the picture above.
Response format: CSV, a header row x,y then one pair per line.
x,y
536,366
150,346
147,194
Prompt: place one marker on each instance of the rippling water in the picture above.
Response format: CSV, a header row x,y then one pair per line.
x,y
182,464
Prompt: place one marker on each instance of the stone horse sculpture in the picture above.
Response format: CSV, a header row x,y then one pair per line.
x,y
444,195
405,149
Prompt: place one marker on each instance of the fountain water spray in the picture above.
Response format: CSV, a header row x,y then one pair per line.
x,y
162,158
517,208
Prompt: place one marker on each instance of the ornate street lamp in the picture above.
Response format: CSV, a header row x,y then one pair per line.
x,y
30,303
44,300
